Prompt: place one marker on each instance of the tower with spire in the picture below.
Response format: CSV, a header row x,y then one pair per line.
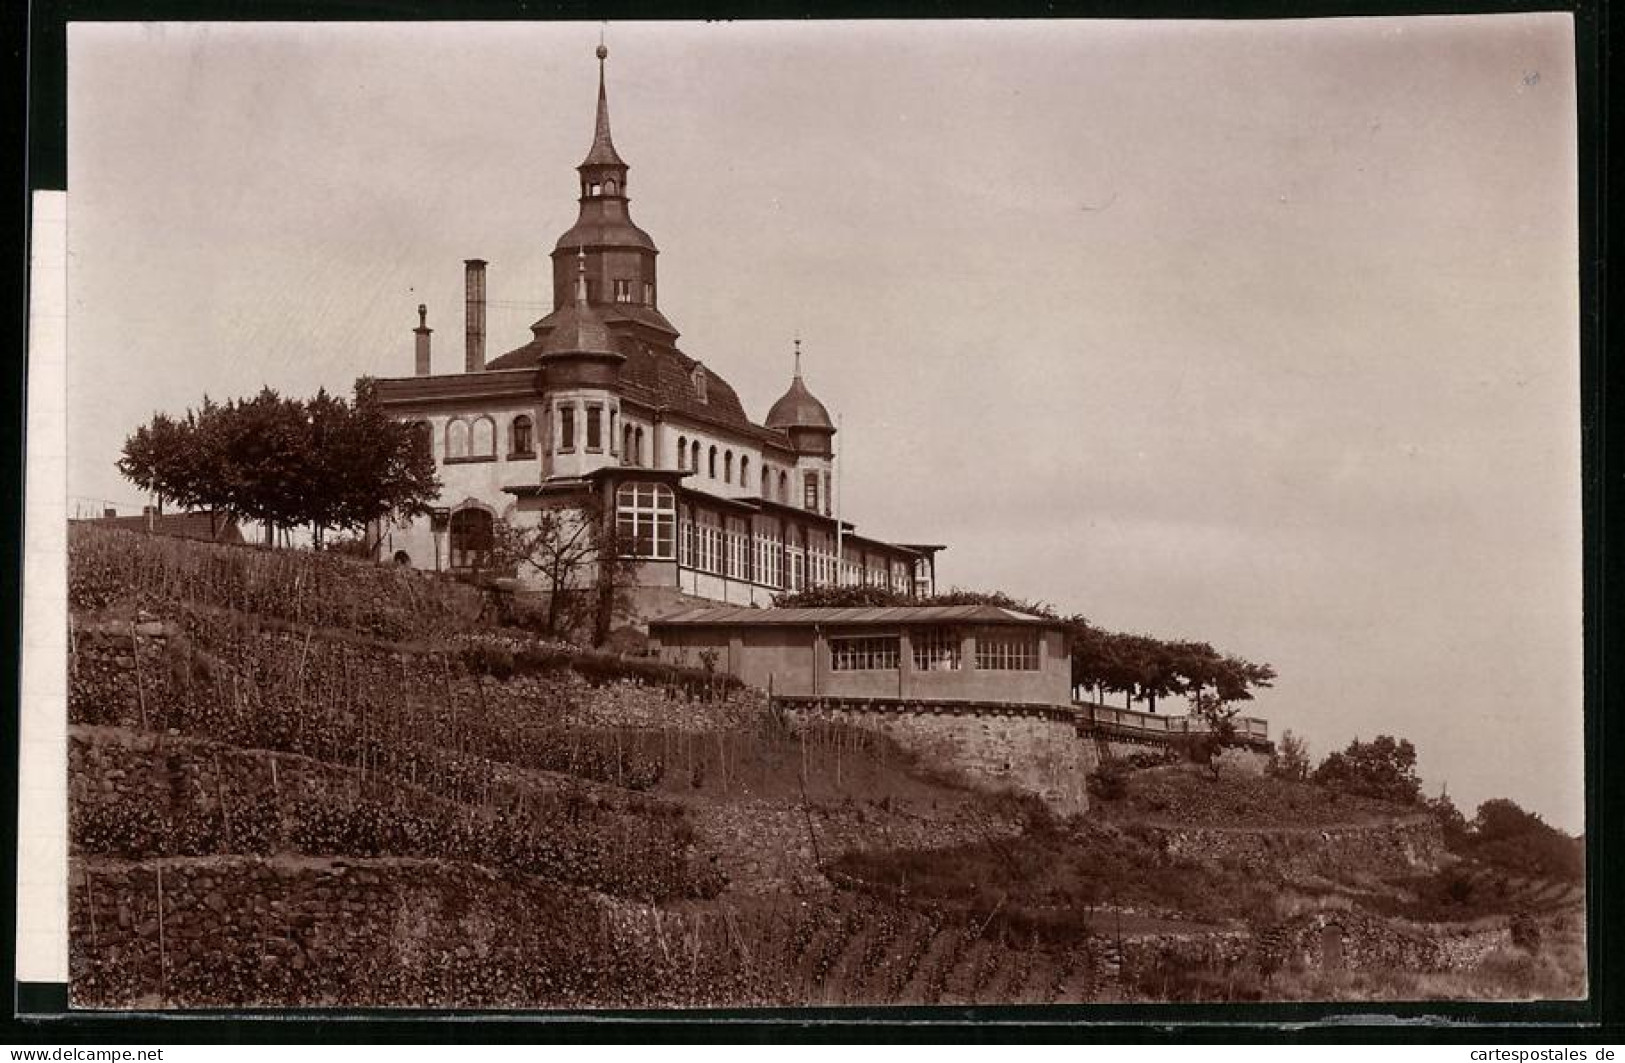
x,y
600,411
620,257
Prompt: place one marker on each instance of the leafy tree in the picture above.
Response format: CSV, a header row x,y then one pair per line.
x,y
1384,768
1505,835
1218,731
1291,758
1452,824
286,462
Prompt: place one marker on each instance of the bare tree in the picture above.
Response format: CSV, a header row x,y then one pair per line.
x,y
580,564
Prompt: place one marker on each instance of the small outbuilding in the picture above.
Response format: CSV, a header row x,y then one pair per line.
x,y
947,653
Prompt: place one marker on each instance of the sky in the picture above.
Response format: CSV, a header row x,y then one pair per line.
x,y
1261,333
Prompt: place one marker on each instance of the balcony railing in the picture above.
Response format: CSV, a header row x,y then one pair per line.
x,y
1128,721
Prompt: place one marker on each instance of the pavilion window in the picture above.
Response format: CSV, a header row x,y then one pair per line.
x,y
682,451
694,460
728,467
623,291
1007,651
649,292
868,653
936,649
646,520
810,494
744,471
595,428
567,427
711,469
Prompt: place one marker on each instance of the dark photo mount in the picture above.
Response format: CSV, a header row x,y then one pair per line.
x,y
702,666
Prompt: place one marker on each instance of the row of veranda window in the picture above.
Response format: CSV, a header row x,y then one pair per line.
x,y
934,650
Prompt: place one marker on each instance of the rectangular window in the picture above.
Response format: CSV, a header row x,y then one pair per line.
x,y
936,649
1007,651
595,428
567,427
871,653
623,291
810,499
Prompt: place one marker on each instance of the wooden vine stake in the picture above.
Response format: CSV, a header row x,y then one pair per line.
x,y
163,954
140,690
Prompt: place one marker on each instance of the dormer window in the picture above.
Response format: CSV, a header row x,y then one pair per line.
x,y
698,377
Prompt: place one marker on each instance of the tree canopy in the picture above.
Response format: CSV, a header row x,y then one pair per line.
x,y
323,462
1384,768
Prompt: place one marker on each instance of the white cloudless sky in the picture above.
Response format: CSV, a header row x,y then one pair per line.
x,y
1264,333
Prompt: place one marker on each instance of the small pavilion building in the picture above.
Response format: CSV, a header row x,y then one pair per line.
x,y
951,653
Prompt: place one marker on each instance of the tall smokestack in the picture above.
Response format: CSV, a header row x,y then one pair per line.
x,y
422,334
474,350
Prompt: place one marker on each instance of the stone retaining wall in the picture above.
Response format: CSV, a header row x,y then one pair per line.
x,y
1027,749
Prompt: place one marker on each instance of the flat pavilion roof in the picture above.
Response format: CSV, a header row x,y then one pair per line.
x,y
743,616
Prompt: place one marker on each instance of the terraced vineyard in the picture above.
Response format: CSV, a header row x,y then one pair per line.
x,y
297,780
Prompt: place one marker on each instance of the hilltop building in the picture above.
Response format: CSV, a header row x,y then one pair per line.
x,y
602,414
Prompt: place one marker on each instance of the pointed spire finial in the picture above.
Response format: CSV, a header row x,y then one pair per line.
x,y
603,147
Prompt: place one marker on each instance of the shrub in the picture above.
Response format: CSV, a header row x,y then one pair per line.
x,y
1109,780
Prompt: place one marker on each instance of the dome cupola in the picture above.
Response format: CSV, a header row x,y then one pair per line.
x,y
580,349
799,414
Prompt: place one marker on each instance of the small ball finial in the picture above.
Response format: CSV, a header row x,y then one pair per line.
x,y
423,315
603,53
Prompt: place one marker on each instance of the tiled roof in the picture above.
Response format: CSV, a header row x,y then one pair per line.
x,y
727,616
664,377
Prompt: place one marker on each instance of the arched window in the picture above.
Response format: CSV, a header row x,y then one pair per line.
x,y
637,446
728,467
471,536
682,451
628,457
767,482
522,441
694,461
646,521
482,441
456,439
784,487
609,187
712,470
744,471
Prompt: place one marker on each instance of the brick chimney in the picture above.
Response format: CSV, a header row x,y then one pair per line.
x,y
474,313
422,334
